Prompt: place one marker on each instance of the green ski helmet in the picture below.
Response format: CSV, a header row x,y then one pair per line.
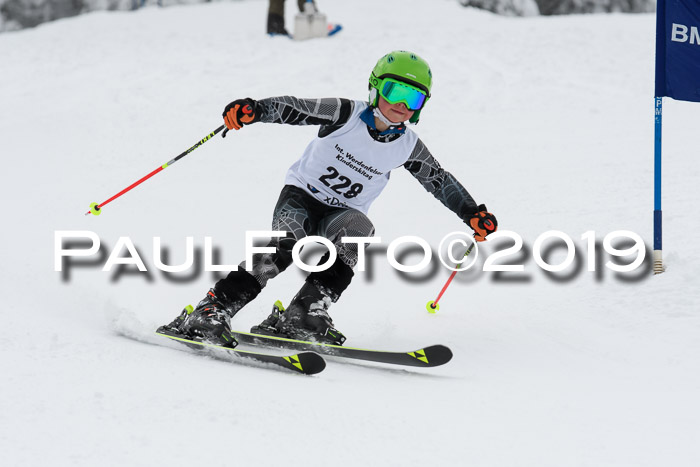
x,y
404,67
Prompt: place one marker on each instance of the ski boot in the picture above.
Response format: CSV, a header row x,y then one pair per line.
x,y
268,326
307,317
209,322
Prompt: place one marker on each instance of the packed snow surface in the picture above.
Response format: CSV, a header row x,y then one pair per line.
x,y
549,121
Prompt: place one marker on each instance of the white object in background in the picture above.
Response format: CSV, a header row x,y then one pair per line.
x,y
310,23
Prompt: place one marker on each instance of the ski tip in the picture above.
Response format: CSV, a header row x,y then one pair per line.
x,y
434,355
308,363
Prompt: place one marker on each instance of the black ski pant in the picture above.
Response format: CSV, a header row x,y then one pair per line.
x,y
300,214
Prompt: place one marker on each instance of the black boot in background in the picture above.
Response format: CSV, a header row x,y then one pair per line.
x,y
275,25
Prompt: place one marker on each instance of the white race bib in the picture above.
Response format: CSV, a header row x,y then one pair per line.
x,y
349,168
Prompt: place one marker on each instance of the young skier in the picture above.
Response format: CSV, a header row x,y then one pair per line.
x,y
328,192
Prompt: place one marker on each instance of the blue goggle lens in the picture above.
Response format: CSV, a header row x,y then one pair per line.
x,y
395,92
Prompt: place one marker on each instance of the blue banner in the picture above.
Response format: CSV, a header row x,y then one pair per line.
x,y
678,49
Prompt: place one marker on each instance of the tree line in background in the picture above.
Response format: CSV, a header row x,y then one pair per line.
x,y
19,14
561,7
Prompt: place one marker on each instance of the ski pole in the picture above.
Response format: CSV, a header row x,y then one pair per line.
x,y
96,209
433,306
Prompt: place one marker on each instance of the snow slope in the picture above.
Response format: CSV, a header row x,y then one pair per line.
x,y
549,121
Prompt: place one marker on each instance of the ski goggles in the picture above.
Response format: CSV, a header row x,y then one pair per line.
x,y
394,92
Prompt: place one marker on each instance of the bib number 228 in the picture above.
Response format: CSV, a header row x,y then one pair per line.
x,y
344,185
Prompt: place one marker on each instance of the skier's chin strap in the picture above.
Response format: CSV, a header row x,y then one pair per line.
x,y
368,115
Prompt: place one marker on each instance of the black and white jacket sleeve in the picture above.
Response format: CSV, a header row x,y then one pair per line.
x,y
334,111
442,184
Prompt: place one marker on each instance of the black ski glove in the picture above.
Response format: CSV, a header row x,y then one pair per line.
x,y
483,223
240,112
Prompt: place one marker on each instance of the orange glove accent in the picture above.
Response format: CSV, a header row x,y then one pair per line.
x,y
240,112
483,223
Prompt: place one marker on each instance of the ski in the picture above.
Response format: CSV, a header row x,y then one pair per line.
x,y
334,29
307,363
426,357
